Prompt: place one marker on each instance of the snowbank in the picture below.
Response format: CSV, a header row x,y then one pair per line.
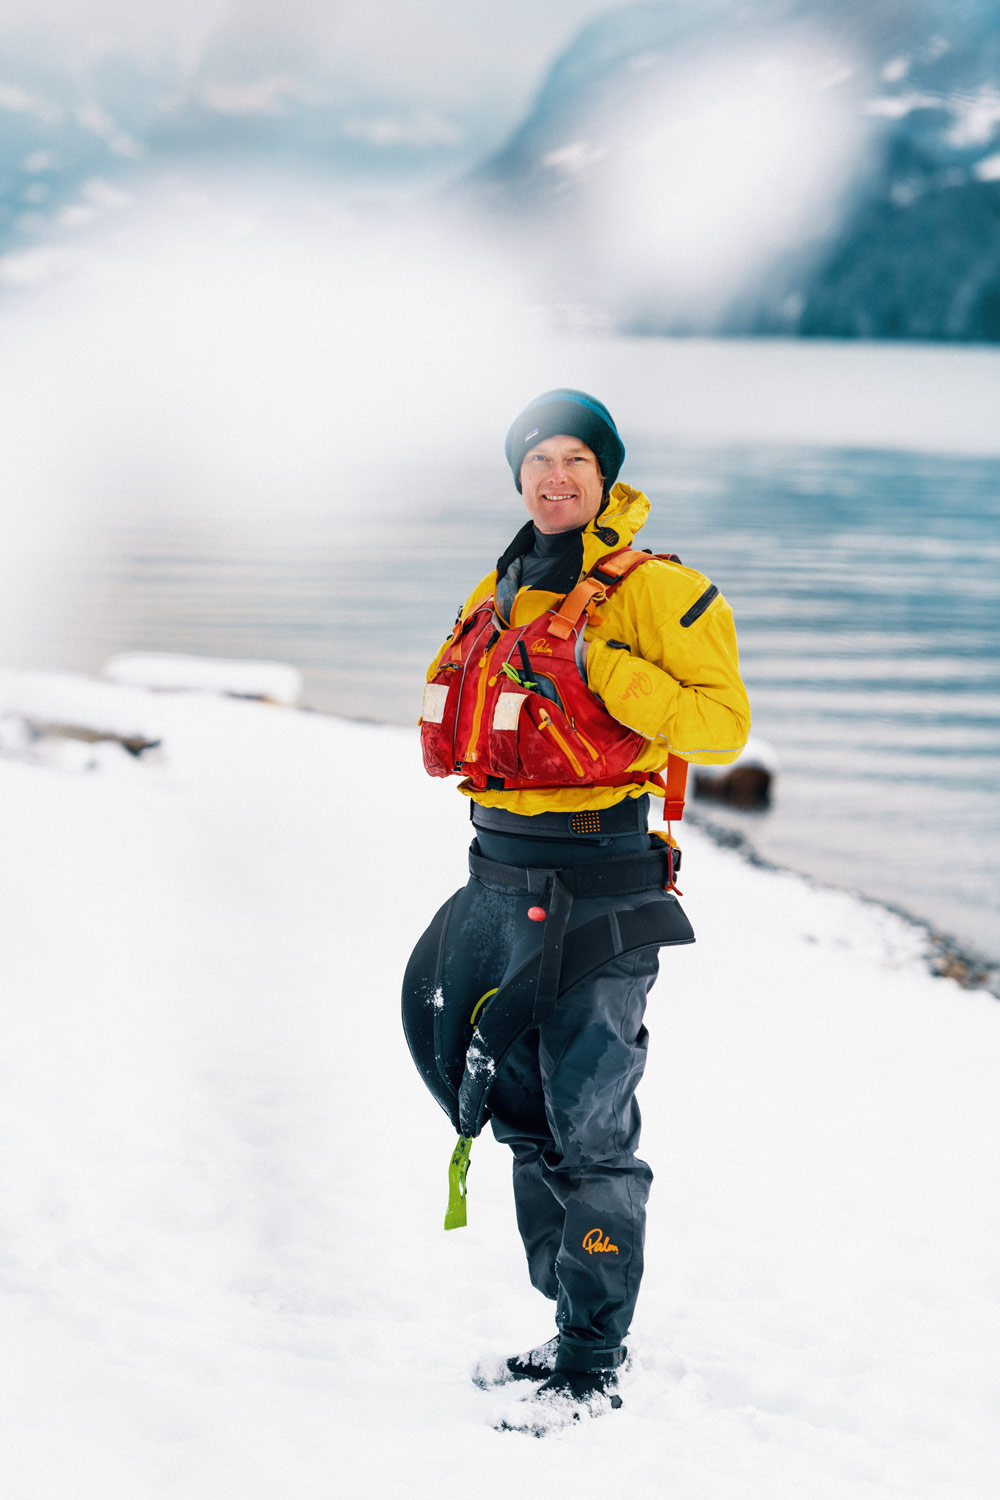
x,y
269,681
222,1268
60,700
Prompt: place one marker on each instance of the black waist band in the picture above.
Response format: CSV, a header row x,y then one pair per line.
x,y
626,875
628,816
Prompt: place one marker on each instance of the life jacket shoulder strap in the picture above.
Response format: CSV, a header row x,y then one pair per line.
x,y
607,574
465,622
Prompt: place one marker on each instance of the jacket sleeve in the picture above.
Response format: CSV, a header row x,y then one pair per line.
x,y
664,661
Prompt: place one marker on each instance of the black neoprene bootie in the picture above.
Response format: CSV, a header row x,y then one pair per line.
x,y
535,1364
592,1389
564,1398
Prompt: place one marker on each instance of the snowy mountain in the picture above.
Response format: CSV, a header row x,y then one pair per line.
x,y
771,167
267,94
78,137
71,139
737,166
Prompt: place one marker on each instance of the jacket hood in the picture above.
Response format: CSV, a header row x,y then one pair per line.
x,y
617,525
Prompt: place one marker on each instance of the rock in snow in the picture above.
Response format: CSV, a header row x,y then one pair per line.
x,y
746,782
266,681
73,705
41,711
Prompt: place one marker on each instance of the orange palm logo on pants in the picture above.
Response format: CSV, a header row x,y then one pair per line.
x,y
596,1242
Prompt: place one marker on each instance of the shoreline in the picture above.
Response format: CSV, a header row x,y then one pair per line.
x,y
946,957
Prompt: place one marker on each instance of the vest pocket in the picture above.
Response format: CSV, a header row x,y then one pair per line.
x,y
503,734
435,702
548,728
529,736
437,729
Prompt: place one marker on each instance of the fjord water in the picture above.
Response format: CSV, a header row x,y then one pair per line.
x,y
866,588
867,592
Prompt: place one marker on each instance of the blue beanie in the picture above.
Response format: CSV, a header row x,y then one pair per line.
x,y
577,415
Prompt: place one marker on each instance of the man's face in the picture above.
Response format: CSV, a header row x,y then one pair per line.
x,y
562,484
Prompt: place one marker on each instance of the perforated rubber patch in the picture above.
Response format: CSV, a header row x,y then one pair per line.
x,y
586,822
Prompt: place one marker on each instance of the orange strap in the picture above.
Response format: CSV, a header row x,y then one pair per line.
x,y
674,789
462,621
576,603
565,619
562,624
673,786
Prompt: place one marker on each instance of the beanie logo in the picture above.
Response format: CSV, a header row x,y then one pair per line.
x,y
533,433
596,1242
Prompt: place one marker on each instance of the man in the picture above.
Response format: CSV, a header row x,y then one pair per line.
x,y
577,671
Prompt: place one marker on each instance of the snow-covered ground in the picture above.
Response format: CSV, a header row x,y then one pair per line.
x,y
222,1266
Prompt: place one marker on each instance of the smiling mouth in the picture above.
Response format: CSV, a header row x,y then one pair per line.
x,y
571,496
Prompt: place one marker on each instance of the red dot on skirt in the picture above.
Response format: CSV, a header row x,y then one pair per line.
x,y
536,914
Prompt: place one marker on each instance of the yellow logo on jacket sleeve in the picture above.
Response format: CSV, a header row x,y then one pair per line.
x,y
639,683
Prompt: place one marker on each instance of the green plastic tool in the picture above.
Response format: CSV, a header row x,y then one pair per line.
x,y
458,1169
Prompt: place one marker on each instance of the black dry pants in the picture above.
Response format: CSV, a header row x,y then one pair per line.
x,y
564,1101
563,1096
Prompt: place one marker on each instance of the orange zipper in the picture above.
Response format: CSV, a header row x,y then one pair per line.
x,y
587,746
477,713
544,722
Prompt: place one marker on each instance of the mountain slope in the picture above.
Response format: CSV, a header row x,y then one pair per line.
x,y
776,167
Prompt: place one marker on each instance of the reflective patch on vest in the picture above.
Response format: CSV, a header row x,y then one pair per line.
x,y
435,697
508,710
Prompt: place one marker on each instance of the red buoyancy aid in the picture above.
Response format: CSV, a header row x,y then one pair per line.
x,y
509,708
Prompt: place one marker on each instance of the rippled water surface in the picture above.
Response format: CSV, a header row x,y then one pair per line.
x,y
866,587
867,593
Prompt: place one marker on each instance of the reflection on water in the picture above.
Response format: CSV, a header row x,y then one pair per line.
x,y
865,586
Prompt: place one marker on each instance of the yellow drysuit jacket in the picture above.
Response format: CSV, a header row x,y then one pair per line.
x,y
678,684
